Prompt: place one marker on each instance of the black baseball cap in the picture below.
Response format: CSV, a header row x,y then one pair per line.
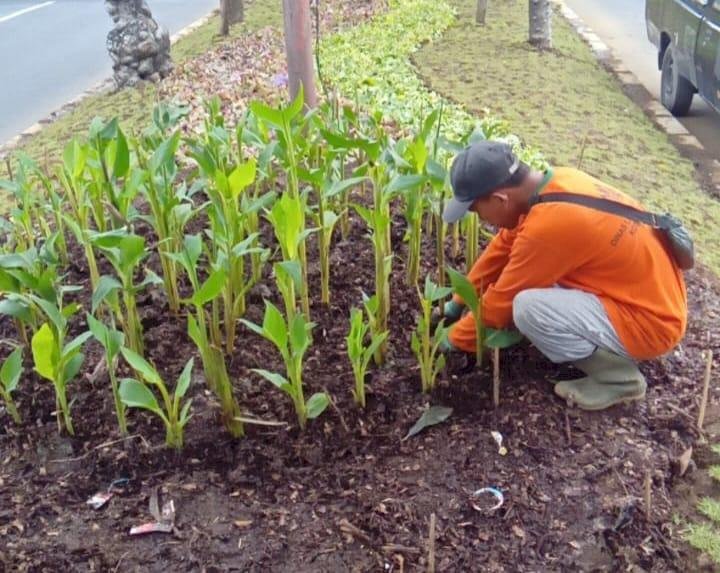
x,y
476,172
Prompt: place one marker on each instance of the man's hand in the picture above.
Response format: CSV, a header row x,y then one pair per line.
x,y
452,312
457,361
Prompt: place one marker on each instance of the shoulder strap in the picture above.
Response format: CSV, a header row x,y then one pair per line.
x,y
607,206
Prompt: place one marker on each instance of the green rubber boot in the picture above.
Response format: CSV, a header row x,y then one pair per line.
x,y
610,380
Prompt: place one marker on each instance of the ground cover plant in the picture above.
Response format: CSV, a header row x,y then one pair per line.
x,y
347,492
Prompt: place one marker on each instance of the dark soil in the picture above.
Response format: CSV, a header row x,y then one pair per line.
x,y
348,494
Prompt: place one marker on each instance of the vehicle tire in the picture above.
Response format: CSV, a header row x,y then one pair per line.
x,y
676,91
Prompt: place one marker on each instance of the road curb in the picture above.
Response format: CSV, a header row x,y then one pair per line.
x,y
104,86
687,144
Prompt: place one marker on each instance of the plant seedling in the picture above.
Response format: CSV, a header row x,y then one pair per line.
x,y
212,357
137,394
9,377
58,362
112,341
359,353
292,338
466,291
426,345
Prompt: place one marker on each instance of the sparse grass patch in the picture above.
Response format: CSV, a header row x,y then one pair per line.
x,y
556,100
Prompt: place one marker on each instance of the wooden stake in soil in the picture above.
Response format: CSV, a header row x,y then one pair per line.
x,y
706,389
648,495
496,377
431,545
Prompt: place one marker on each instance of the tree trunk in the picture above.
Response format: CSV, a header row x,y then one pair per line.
x,y
540,24
298,46
481,11
231,12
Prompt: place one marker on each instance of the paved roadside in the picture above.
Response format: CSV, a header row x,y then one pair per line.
x,y
53,50
621,25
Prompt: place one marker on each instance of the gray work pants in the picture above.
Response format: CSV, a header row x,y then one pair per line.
x,y
565,324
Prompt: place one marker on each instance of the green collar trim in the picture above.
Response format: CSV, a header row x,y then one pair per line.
x,y
534,198
545,180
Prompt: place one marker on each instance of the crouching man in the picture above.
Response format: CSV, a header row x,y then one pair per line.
x,y
584,285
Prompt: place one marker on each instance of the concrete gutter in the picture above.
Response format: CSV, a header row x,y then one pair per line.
x,y
104,86
689,146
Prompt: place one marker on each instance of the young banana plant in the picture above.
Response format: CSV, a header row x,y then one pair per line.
x,y
9,377
138,394
290,126
288,221
71,175
171,207
24,273
360,352
125,251
112,341
212,357
56,359
292,339
424,343
327,185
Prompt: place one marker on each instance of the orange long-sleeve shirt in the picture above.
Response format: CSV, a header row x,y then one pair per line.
x,y
622,262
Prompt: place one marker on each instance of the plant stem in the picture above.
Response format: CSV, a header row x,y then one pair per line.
x,y
440,248
119,406
62,402
10,407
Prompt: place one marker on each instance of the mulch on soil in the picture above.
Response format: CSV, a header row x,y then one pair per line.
x,y
348,494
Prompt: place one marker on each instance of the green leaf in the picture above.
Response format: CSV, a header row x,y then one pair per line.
x,y
338,187
164,155
299,339
402,183
105,286
194,332
501,338
274,326
430,417
277,380
210,289
295,106
135,394
316,405
111,339
16,308
241,177
464,289
184,417
252,326
433,292
375,344
75,345
193,245
12,370
122,156
109,239
415,343
44,351
72,367
142,366
184,380
51,311
132,251
267,114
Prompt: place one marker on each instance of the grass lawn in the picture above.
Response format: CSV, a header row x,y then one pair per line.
x,y
559,100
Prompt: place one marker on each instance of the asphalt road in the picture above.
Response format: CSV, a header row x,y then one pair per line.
x,y
621,25
51,51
